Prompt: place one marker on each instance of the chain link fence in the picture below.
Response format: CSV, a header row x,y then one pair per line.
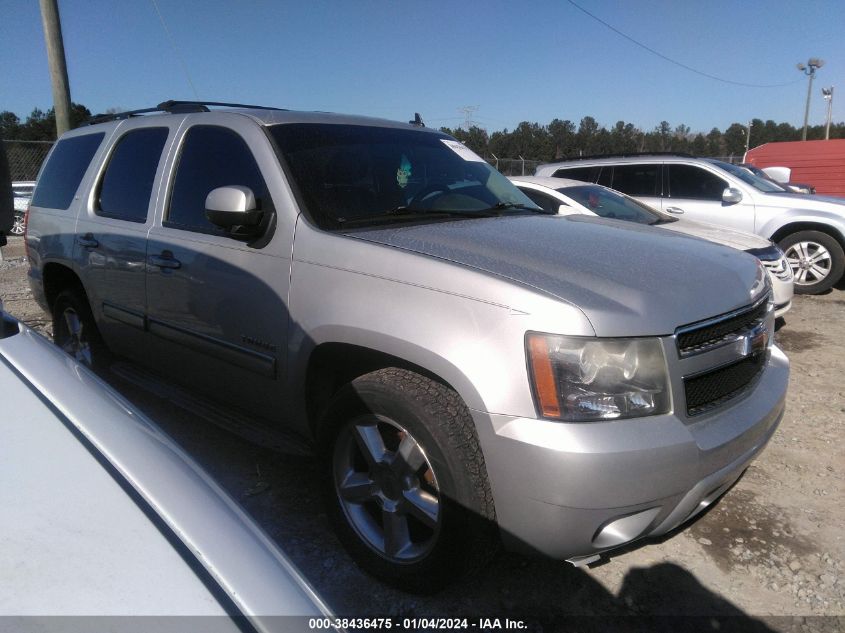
x,y
25,158
514,166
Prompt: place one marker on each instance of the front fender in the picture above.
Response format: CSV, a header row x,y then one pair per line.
x,y
828,219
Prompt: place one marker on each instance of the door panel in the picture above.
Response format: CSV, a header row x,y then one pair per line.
x,y
698,193
111,235
215,304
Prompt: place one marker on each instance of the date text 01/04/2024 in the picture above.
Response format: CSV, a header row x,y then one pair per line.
x,y
417,624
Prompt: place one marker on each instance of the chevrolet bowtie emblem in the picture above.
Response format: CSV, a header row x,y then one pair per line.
x,y
754,341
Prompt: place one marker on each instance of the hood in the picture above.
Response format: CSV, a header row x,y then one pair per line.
x,y
812,202
718,234
628,279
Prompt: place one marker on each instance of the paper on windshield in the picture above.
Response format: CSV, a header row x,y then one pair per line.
x,y
462,150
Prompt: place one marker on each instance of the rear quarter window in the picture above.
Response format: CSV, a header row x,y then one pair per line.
x,y
64,170
129,177
584,174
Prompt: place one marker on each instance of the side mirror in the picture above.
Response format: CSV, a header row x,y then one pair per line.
x,y
564,209
234,209
731,196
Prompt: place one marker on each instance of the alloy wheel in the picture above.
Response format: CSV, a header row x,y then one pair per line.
x,y
17,226
387,488
810,262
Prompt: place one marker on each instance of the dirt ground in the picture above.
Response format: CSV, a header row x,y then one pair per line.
x,y
772,547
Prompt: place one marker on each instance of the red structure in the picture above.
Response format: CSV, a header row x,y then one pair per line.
x,y
817,163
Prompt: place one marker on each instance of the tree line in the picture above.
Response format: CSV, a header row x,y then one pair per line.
x,y
559,139
563,139
39,125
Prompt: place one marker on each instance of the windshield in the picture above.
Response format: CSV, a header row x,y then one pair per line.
x,y
762,184
356,174
611,204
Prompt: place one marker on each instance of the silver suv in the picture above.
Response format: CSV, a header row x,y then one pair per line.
x,y
809,229
468,369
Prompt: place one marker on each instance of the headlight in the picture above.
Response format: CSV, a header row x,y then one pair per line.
x,y
582,379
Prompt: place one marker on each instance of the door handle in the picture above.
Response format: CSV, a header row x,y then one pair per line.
x,y
165,260
675,210
87,241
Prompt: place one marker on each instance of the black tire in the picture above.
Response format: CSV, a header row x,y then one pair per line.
x,y
432,415
86,345
798,245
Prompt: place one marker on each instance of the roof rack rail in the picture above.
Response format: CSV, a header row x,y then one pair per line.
x,y
629,154
174,107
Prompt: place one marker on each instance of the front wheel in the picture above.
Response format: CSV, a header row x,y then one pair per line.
x,y
816,259
405,482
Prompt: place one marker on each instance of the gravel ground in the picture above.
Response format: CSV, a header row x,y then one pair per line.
x,y
767,556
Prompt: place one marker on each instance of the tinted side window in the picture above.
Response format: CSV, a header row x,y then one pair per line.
x,y
636,180
129,177
585,174
64,171
547,203
688,181
211,157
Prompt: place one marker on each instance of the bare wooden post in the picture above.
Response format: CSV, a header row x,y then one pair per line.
x,y
58,66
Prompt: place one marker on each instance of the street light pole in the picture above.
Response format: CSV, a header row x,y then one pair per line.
x,y
827,93
747,140
813,64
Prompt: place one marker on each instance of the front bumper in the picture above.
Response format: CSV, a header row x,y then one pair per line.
x,y
569,490
782,289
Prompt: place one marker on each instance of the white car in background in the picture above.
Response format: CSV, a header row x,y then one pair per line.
x,y
564,196
22,194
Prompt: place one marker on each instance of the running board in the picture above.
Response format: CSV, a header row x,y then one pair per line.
x,y
228,419
583,561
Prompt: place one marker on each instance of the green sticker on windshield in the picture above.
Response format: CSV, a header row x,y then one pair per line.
x,y
403,173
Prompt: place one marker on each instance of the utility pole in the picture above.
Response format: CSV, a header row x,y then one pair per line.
x,y
827,93
813,64
58,66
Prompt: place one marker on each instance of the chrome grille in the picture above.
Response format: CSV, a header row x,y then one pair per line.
x,y
704,335
778,268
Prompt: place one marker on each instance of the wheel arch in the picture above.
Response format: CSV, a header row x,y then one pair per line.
x,y
57,277
332,364
795,227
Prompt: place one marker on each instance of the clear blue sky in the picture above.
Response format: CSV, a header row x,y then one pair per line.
x,y
515,60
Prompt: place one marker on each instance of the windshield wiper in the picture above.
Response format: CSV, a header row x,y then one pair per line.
x,y
402,213
504,206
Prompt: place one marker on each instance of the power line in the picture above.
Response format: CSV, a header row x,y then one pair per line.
x,y
175,50
677,63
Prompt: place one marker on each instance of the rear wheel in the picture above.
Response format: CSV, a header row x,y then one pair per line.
x,y
816,259
405,482
75,332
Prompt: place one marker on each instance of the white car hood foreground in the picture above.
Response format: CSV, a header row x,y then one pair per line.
x,y
103,514
641,282
718,234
